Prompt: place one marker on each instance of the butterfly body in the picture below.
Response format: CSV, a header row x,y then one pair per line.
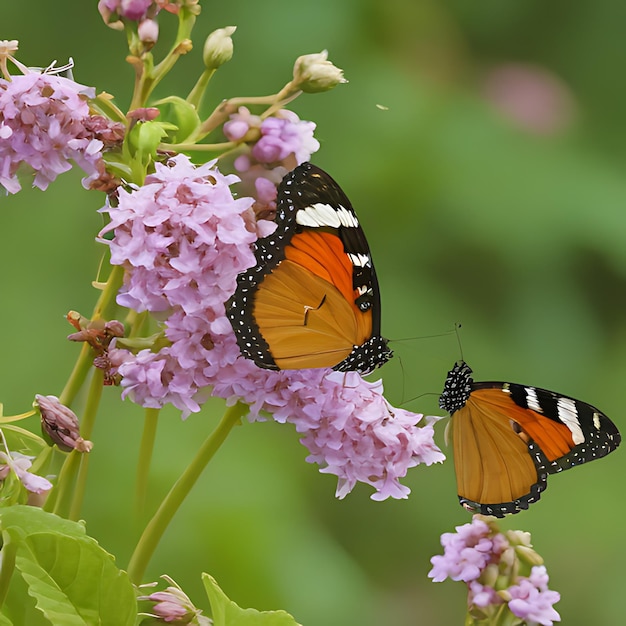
x,y
507,438
312,299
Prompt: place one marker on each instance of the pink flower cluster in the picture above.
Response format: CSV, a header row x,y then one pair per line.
x,y
278,144
43,125
489,562
348,427
183,239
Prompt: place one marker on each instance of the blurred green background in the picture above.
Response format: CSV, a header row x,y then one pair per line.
x,y
483,145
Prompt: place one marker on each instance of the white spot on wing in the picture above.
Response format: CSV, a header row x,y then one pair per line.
x,y
347,218
596,421
569,416
319,214
360,260
531,400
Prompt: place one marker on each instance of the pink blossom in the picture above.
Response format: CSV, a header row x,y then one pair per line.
x,y
466,552
532,600
173,605
240,123
43,125
134,10
482,596
283,135
19,464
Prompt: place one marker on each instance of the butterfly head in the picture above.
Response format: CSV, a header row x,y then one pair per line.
x,y
457,387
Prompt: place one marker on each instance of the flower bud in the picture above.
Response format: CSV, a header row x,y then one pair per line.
x,y
313,73
148,31
218,47
60,424
173,605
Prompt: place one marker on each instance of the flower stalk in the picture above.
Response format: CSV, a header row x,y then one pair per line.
x,y
179,491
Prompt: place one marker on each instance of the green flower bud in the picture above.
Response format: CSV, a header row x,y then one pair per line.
x,y
313,73
218,47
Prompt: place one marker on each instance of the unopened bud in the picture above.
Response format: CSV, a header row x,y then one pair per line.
x,y
218,47
60,424
313,73
148,31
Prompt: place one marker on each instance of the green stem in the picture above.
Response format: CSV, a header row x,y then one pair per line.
x,y
196,94
58,500
179,491
87,425
104,309
145,457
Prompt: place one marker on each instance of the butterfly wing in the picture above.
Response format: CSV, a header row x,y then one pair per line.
x,y
507,438
498,471
312,300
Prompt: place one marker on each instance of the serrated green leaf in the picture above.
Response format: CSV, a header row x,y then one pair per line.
x,y
227,613
185,115
72,580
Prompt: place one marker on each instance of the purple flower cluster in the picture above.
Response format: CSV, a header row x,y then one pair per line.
x,y
278,144
489,562
183,239
346,424
43,119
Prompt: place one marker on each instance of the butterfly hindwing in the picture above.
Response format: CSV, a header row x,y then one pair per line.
x,y
312,300
507,438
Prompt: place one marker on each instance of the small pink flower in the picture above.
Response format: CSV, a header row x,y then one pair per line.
x,y
174,606
532,600
19,464
466,552
285,135
134,10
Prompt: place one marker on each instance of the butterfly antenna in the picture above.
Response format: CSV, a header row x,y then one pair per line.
x,y
457,327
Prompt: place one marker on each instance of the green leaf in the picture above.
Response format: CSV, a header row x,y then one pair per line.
x,y
71,579
227,613
185,117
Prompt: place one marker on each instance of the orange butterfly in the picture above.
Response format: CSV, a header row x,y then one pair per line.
x,y
507,438
312,300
